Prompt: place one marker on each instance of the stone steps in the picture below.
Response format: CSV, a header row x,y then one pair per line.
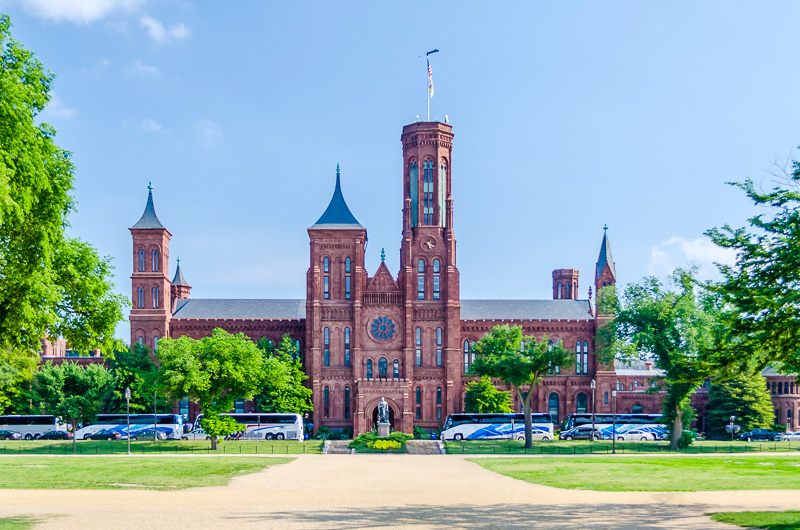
x,y
338,447
423,447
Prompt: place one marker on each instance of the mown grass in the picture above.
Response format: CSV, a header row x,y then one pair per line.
x,y
151,473
104,447
653,473
579,447
17,523
788,520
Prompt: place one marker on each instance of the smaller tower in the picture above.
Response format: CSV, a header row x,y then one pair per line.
x,y
180,287
565,284
605,271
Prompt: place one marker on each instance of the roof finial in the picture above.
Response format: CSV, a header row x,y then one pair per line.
x,y
179,261
605,228
337,169
383,255
150,185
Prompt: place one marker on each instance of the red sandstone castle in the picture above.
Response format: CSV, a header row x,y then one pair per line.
x,y
406,337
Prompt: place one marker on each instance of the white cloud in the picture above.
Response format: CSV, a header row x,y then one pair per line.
x,y
144,69
210,133
161,33
57,109
77,11
150,124
679,252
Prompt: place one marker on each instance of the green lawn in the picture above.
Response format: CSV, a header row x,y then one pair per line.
x,y
152,473
103,447
653,473
17,523
789,520
587,447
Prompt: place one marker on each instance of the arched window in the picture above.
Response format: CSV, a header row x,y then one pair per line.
x,y
773,387
326,279
636,409
369,368
436,287
421,280
439,342
605,398
558,289
585,357
347,286
155,343
618,385
347,402
636,384
141,259
140,340
580,403
326,338
383,367
140,297
418,403
347,264
418,344
396,369
154,294
438,403
326,265
427,191
296,353
552,406
347,346
471,352
413,173
466,356
566,290
785,387
154,259
326,399
442,190
578,365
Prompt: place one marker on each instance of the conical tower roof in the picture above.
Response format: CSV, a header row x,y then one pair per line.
x,y
605,257
337,215
149,218
179,279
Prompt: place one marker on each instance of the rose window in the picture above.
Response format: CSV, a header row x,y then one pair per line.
x,y
382,329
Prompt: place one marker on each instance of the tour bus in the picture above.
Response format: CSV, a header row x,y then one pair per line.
x,y
31,427
470,426
651,423
169,424
266,425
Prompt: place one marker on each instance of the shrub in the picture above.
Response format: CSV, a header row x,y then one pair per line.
x,y
384,445
368,439
687,439
419,433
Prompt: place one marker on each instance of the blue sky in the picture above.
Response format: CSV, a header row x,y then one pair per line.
x,y
566,118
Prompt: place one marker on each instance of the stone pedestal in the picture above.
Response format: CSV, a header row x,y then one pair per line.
x,y
383,429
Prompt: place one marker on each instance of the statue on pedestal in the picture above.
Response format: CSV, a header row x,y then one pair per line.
x,y
383,411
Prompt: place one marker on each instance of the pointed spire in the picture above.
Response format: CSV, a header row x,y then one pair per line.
x,y
605,257
149,218
337,215
383,255
179,279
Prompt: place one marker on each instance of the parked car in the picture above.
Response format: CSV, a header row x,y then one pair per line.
x,y
104,434
10,435
55,435
147,434
758,435
637,434
789,436
197,434
584,432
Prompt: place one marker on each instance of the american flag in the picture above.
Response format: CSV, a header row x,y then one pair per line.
x,y
430,77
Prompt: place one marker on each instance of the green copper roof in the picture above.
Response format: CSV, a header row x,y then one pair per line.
x,y
149,218
337,215
179,279
605,257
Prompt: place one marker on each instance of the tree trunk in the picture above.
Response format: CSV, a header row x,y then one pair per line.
x,y
214,446
677,429
526,407
74,434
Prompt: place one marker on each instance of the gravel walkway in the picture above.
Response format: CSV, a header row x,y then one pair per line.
x,y
386,491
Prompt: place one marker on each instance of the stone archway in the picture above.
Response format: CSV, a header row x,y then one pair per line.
x,y
371,414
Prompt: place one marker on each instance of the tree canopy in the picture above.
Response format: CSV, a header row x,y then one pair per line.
x,y
133,368
282,388
744,396
520,360
483,397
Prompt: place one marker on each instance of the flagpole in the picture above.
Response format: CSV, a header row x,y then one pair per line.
x,y
429,80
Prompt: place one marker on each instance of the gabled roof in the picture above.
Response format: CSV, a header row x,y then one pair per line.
x,y
242,308
179,279
337,215
526,310
149,218
605,257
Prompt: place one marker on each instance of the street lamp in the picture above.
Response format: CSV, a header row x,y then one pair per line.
x,y
594,388
614,428
128,405
733,418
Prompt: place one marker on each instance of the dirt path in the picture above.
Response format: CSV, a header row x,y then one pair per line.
x,y
387,491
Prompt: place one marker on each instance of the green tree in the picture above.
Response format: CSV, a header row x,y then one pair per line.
x,y
519,360
16,373
50,284
133,368
760,291
676,328
214,371
283,387
72,392
744,396
482,396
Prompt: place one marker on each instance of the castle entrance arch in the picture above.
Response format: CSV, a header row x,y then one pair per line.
x,y
371,412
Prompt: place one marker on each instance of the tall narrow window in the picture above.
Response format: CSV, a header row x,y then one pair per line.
x,y
578,365
418,401
369,368
383,367
421,280
296,353
618,385
439,346
427,191
585,357
140,297
140,340
436,279
442,191
347,346
418,344
559,291
238,406
326,409
438,403
396,369
326,279
155,297
141,259
347,402
413,172
347,278
326,337
155,344
566,290
471,352
347,265
552,406
466,356
605,398
154,259
580,403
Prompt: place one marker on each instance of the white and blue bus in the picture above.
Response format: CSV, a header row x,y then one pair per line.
x,y
651,423
170,424
31,426
469,426
266,425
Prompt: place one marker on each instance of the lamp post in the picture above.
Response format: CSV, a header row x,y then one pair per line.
x,y
594,388
614,427
733,418
128,414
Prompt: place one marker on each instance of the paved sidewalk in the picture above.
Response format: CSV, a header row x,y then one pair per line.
x,y
387,491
